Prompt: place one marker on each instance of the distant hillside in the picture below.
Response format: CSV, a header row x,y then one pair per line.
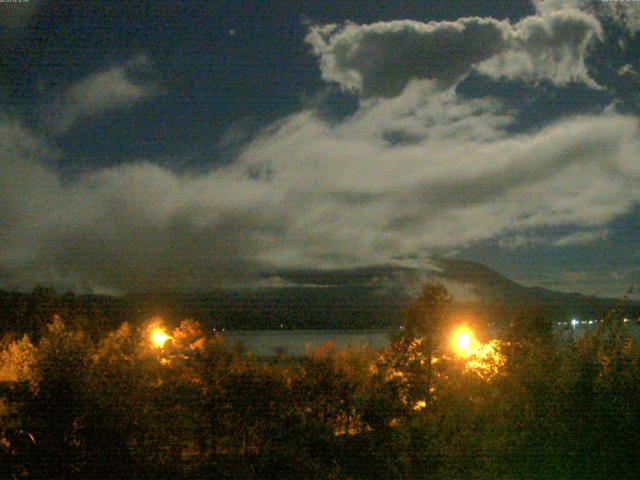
x,y
362,298
493,288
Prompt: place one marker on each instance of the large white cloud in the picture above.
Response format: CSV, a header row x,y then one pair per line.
x,y
552,46
380,59
412,174
118,86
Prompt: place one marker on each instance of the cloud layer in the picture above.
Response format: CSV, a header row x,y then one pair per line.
x,y
405,176
415,170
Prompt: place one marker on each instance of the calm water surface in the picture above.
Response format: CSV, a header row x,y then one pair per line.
x,y
298,342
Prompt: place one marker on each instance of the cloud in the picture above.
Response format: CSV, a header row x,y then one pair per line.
x,y
414,170
624,13
544,7
118,86
456,183
405,176
552,47
128,228
277,282
381,59
628,70
582,238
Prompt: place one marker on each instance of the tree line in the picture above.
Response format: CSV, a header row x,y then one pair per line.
x,y
524,404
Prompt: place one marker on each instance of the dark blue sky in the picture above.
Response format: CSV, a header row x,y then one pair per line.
x,y
219,63
262,131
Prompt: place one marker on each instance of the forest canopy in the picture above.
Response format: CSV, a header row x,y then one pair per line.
x,y
443,400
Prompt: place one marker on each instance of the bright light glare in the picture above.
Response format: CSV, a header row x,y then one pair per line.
x,y
159,337
462,342
420,405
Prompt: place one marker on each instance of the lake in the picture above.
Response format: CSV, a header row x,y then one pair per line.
x,y
297,342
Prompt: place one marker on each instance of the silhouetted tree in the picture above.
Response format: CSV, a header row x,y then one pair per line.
x,y
413,352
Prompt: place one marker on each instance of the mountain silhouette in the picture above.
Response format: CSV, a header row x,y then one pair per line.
x,y
368,297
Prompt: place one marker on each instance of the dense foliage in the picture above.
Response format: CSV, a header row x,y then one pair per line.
x,y
79,404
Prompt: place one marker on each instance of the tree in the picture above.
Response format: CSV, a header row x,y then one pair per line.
x,y
413,352
16,372
54,412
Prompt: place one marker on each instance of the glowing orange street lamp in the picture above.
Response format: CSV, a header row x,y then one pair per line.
x,y
159,337
463,341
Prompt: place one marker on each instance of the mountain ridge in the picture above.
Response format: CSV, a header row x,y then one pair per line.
x,y
368,297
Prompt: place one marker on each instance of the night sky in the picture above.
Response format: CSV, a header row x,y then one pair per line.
x,y
198,144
